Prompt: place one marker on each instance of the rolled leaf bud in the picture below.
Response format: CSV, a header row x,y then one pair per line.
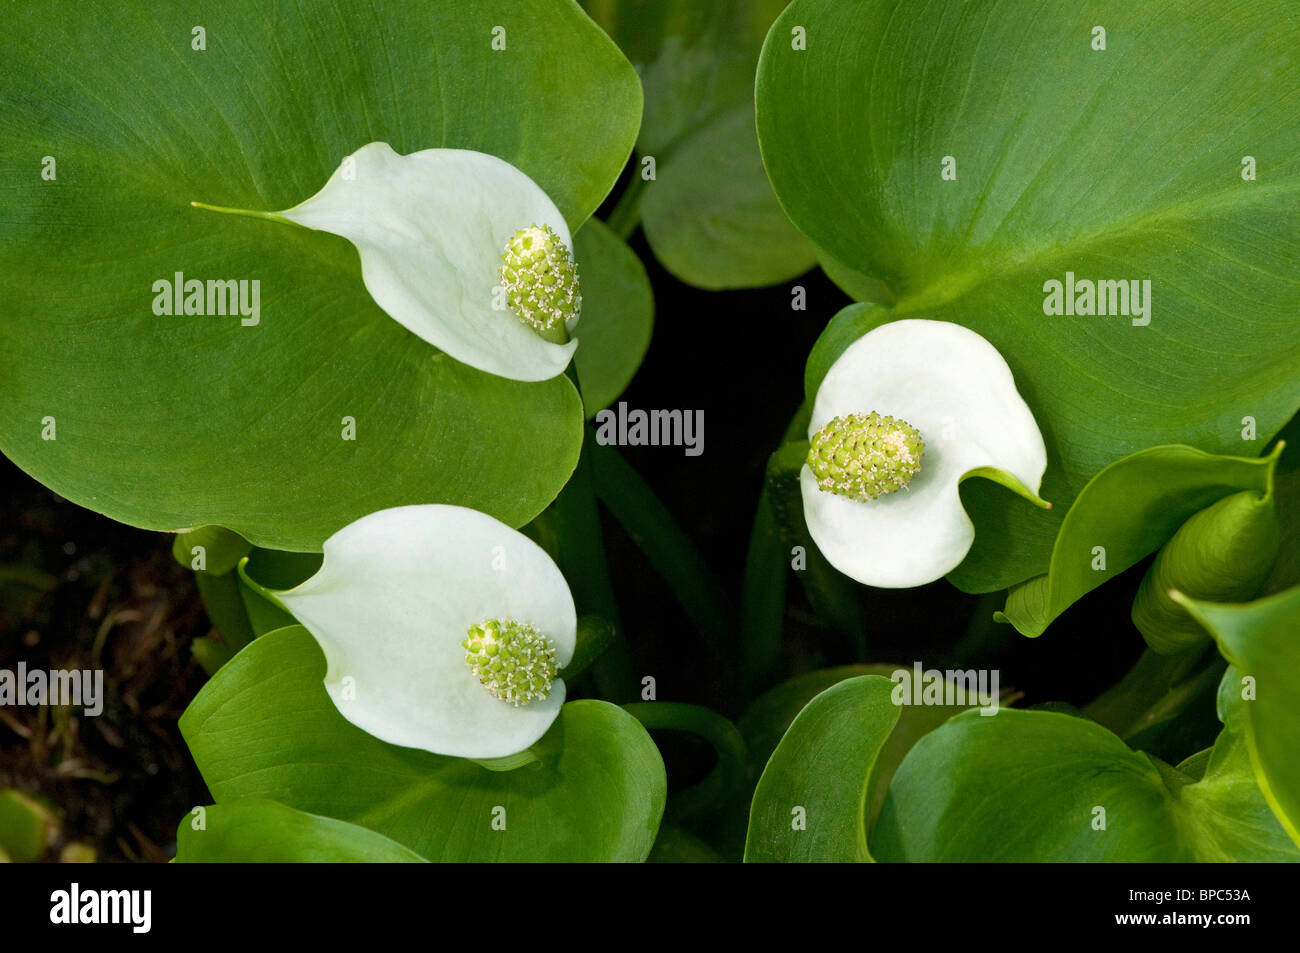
x,y
1224,553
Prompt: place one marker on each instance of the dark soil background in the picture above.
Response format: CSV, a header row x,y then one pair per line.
x,y
78,590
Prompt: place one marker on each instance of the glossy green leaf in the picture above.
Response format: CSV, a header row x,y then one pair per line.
x,y
1047,786
1116,164
812,802
768,718
26,827
211,549
264,727
1259,639
761,621
617,315
862,288
254,830
1224,553
709,214
1125,513
170,422
711,218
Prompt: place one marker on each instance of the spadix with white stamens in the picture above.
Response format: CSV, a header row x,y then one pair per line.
x,y
513,661
403,600
863,456
903,414
540,279
431,228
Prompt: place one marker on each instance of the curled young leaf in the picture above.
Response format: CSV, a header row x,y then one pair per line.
x,y
1123,514
1223,554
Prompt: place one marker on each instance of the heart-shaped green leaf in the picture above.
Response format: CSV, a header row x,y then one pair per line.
x,y
326,408
1125,513
1045,786
1259,638
254,830
709,213
967,155
813,800
264,727
767,723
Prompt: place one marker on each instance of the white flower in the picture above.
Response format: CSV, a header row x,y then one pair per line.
x,y
411,607
433,229
906,412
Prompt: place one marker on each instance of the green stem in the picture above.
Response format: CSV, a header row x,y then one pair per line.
x,y
669,550
727,776
572,526
832,595
225,608
626,214
762,602
763,593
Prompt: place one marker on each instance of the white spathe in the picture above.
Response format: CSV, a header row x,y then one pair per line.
x,y
392,602
954,387
431,228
